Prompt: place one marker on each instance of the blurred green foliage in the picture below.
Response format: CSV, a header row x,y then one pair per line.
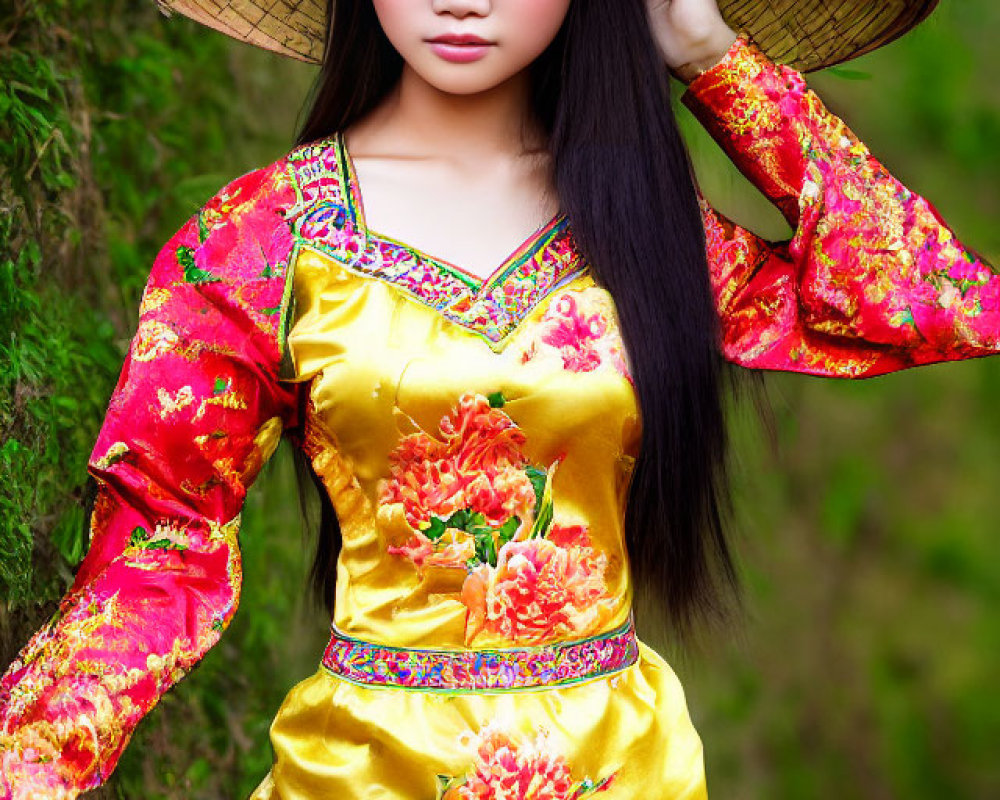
x,y
115,125
866,665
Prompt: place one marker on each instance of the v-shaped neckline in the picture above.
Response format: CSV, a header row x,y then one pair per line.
x,y
477,283
326,217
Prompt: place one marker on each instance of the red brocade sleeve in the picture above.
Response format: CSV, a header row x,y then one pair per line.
x,y
196,412
873,280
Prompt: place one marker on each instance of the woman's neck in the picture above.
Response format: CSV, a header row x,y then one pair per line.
x,y
497,122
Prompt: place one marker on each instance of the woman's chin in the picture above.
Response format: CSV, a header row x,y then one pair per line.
x,y
463,79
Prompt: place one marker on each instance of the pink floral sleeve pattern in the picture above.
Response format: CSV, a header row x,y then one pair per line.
x,y
196,412
873,279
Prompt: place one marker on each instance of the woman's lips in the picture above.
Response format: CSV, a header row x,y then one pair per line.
x,y
460,49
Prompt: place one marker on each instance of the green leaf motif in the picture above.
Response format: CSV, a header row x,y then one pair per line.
x,y
138,537
508,529
496,399
162,544
436,529
588,786
446,782
487,539
537,477
486,547
141,538
192,272
544,508
202,228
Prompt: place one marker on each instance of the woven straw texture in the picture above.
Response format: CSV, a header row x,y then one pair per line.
x,y
807,34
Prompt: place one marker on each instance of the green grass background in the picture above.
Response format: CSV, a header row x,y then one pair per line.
x,y
866,664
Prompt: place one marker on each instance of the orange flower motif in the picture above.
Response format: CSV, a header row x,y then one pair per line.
x,y
472,501
478,466
456,552
540,590
513,769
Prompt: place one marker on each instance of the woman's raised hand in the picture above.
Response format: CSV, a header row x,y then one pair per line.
x,y
691,34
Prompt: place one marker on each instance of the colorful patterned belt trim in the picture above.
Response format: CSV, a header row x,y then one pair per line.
x,y
478,670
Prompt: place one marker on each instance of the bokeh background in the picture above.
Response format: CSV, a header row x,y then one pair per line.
x,y
866,663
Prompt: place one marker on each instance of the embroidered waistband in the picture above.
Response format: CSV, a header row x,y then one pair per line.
x,y
478,670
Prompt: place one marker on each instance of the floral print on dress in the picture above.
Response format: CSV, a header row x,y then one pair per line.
x,y
579,329
540,589
510,766
473,501
873,280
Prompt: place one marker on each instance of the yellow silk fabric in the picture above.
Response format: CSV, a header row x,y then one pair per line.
x,y
384,366
335,739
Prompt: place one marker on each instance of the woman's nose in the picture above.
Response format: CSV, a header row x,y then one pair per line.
x,y
462,8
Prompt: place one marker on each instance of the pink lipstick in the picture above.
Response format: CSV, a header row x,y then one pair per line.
x,y
459,48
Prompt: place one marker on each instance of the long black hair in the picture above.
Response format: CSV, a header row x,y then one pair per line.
x,y
601,91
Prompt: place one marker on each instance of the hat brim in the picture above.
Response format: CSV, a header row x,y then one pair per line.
x,y
292,28
813,34
805,34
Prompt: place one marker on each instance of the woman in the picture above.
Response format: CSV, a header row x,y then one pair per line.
x,y
472,417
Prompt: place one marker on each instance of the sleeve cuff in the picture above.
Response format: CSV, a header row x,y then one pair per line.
x,y
758,111
743,50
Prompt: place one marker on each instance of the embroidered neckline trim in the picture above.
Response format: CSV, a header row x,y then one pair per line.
x,y
326,218
532,242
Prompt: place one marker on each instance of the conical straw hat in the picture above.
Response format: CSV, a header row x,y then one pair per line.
x,y
806,34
